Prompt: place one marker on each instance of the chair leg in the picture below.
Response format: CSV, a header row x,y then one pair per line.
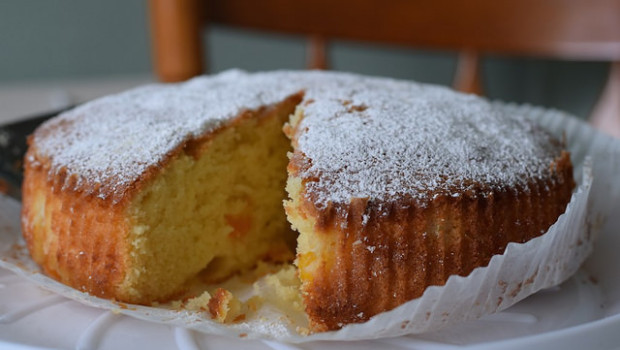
x,y
176,39
467,76
606,114
317,52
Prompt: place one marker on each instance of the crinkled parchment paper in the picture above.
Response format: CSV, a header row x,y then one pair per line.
x,y
522,270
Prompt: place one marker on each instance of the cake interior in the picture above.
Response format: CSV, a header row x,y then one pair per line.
x,y
312,249
215,210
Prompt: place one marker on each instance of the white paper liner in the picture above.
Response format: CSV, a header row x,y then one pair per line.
x,y
521,271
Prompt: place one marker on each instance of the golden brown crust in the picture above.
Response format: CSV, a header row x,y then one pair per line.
x,y
76,237
403,248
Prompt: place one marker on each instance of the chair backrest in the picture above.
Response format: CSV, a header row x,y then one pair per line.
x,y
559,29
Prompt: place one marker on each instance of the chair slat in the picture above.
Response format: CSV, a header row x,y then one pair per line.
x,y
565,29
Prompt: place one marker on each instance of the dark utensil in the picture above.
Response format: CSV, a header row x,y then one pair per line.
x,y
12,149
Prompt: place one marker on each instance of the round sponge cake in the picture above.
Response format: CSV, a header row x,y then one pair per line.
x,y
392,187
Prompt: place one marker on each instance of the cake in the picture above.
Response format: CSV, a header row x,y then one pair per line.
x,y
389,187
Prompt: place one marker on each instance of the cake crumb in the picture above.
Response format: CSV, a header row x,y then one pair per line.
x,y
199,303
224,306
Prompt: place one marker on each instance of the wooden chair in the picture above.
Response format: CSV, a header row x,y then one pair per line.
x,y
559,29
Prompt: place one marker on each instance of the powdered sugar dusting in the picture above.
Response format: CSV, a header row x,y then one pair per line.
x,y
381,139
111,141
365,137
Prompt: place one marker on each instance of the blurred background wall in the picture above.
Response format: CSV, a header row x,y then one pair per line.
x,y
48,43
